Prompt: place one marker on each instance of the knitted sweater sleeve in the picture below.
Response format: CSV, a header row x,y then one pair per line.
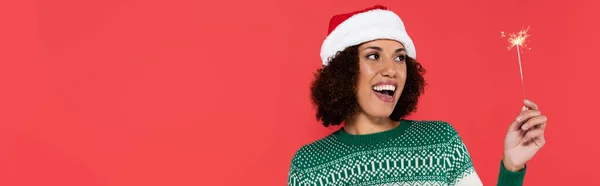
x,y
295,173
508,178
461,171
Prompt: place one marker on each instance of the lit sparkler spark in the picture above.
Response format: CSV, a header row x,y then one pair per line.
x,y
519,40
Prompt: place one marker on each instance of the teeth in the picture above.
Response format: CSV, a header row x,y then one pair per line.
x,y
384,87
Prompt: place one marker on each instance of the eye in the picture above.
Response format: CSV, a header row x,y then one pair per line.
x,y
400,58
373,56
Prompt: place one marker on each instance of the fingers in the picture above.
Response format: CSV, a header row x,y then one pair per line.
x,y
535,122
516,124
533,134
530,124
530,104
528,111
536,136
540,141
527,114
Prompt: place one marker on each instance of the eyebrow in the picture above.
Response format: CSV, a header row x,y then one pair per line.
x,y
379,49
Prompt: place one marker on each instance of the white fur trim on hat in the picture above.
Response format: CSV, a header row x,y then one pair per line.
x,y
364,27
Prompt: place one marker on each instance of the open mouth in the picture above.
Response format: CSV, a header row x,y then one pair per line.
x,y
385,92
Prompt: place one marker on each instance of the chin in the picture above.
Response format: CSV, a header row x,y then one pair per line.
x,y
380,112
377,108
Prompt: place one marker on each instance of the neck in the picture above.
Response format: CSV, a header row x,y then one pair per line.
x,y
364,124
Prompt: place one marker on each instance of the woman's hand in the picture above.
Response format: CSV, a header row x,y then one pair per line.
x,y
525,137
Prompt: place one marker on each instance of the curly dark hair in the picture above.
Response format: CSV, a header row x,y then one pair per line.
x,y
333,91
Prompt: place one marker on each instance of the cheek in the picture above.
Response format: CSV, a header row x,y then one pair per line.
x,y
402,71
401,75
367,71
366,74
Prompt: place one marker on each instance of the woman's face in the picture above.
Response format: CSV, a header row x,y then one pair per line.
x,y
382,76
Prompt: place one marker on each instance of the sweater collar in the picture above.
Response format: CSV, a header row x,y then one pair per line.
x,y
374,138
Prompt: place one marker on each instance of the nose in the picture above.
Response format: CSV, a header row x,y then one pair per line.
x,y
389,69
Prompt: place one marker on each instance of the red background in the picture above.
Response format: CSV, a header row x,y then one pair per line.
x,y
176,92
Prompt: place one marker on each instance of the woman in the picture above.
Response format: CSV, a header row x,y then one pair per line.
x,y
370,81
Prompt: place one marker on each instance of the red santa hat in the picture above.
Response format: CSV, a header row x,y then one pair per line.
x,y
357,27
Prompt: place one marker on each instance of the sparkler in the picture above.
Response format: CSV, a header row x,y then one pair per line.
x,y
518,40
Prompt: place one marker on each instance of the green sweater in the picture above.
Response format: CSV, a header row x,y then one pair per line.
x,y
414,153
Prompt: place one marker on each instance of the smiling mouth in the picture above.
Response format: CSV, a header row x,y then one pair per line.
x,y
385,92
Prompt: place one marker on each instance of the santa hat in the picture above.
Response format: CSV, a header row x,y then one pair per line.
x,y
357,27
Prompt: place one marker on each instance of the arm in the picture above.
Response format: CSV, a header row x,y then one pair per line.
x,y
462,171
525,137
